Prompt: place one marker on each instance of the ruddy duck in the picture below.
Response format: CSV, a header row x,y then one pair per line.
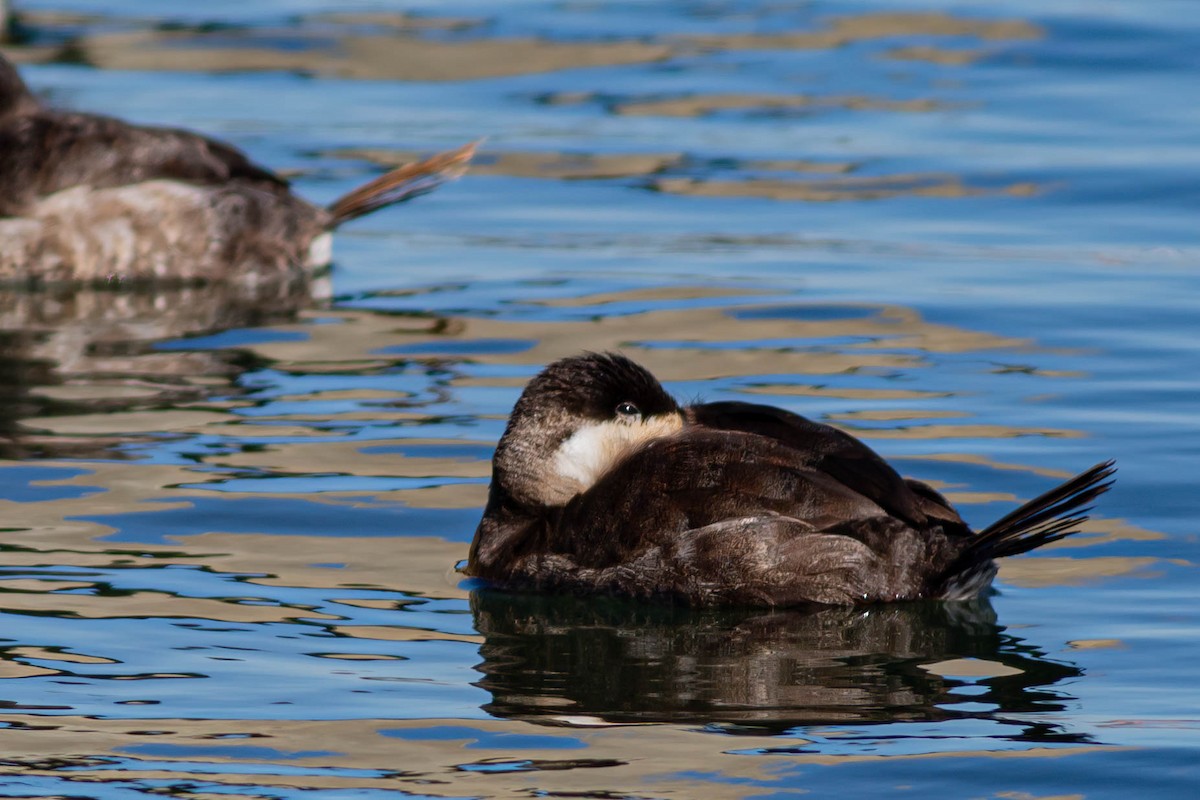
x,y
92,199
603,483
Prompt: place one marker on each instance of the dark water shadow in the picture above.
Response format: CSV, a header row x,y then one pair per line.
x,y
550,659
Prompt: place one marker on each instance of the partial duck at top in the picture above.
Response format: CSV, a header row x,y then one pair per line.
x,y
602,483
90,199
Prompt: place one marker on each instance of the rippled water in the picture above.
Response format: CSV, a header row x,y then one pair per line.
x,y
965,232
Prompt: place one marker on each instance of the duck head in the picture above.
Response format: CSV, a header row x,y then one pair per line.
x,y
575,420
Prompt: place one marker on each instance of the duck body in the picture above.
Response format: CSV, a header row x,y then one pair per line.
x,y
86,198
602,483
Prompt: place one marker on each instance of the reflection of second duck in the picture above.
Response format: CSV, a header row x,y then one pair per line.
x,y
554,658
602,483
79,351
86,198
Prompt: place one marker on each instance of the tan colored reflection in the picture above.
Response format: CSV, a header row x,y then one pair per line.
x,y
664,294
158,421
841,187
666,756
149,604
397,21
53,655
701,105
347,458
937,55
41,585
340,44
850,188
835,186
895,414
1052,571
419,565
963,431
393,633
363,56
970,668
1096,644
844,393
46,534
550,165
363,336
991,463
18,669
841,31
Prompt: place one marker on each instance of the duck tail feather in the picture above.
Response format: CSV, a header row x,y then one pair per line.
x,y
1046,518
402,183
1051,516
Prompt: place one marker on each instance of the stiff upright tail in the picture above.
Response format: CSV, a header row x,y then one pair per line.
x,y
1046,518
402,183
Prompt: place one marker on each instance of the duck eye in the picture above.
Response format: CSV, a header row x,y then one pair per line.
x,y
627,409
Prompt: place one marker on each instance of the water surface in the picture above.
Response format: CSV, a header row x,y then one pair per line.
x,y
963,232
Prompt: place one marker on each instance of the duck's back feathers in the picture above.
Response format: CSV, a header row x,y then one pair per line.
x,y
55,150
697,478
834,453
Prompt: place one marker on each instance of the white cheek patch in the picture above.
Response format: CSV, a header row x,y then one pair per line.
x,y
588,453
595,448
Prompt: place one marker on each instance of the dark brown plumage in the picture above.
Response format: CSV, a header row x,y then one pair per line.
x,y
88,198
602,483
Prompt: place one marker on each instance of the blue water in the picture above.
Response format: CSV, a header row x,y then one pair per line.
x,y
964,232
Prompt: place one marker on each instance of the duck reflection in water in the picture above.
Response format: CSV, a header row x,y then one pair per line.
x,y
68,350
559,660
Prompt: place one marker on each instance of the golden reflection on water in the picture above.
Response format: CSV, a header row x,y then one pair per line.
x,y
848,188
413,48
666,756
701,105
833,185
338,44
549,165
361,336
